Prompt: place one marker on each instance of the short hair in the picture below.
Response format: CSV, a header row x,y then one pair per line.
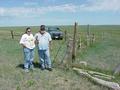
x,y
42,27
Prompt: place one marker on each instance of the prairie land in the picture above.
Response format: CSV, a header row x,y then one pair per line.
x,y
103,56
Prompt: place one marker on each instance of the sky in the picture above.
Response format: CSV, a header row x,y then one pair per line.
x,y
59,12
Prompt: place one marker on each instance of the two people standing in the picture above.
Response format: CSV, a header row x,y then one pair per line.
x,y
42,39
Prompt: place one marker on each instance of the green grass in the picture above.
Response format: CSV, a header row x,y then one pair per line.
x,y
105,53
103,56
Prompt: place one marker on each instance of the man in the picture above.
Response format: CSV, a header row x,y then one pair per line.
x,y
43,41
28,42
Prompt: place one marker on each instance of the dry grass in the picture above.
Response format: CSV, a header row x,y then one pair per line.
x,y
13,77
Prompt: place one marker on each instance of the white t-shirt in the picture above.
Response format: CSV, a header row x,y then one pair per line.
x,y
28,41
43,40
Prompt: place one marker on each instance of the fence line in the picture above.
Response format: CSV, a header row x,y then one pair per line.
x,y
72,44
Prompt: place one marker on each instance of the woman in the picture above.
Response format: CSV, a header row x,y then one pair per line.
x,y
28,43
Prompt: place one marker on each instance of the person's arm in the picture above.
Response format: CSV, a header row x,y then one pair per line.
x,y
22,41
36,39
50,42
23,45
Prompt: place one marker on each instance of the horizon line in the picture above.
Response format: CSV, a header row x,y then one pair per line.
x,y
60,25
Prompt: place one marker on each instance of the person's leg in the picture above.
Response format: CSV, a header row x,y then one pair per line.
x,y
31,58
41,58
47,59
26,58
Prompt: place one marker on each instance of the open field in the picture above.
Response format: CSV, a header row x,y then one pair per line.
x,y
102,56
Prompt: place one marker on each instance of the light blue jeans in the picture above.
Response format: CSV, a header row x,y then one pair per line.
x,y
28,58
44,57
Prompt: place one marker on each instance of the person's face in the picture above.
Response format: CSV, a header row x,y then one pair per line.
x,y
42,31
28,31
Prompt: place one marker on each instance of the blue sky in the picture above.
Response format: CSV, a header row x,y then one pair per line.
x,y
59,12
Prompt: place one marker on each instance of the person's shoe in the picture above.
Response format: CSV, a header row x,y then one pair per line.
x,y
26,70
49,69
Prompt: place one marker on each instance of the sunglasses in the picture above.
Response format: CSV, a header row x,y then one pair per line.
x,y
28,31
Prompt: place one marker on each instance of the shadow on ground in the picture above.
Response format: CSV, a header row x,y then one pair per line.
x,y
36,65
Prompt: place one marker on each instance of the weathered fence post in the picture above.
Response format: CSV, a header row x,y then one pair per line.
x,y
74,43
88,35
117,70
12,34
79,42
68,56
65,35
92,38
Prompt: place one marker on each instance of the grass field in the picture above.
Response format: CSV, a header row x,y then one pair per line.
x,y
102,56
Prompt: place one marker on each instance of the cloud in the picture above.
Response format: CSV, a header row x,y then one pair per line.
x,y
63,8
20,11
101,5
2,11
34,11
30,3
90,5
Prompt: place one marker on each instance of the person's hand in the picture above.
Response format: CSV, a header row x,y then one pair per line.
x,y
36,42
24,46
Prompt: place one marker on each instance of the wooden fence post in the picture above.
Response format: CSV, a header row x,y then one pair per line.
x,y
92,38
65,35
12,34
74,43
68,56
88,35
79,42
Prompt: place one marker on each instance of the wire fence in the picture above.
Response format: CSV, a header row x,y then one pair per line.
x,y
69,47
